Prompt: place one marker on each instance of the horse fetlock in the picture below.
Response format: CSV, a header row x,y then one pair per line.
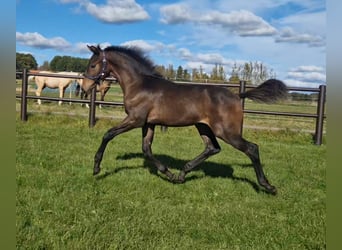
x,y
181,177
213,150
178,179
97,162
269,188
96,170
169,175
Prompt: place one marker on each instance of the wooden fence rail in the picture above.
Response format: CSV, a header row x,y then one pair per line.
x,y
319,116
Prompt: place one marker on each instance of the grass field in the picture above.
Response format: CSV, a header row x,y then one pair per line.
x,y
60,205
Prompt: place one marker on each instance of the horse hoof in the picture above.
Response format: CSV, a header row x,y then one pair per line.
x,y
272,190
178,179
96,171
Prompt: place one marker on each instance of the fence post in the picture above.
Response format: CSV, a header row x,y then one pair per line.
x,y
92,108
320,115
242,89
23,111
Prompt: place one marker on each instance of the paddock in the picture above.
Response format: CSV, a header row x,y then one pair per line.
x,y
60,205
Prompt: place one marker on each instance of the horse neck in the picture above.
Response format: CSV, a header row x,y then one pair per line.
x,y
128,77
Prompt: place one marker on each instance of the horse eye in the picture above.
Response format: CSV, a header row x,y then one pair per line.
x,y
92,66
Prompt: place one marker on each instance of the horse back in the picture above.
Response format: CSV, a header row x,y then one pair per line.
x,y
54,82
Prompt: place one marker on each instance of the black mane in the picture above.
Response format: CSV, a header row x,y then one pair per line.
x,y
141,61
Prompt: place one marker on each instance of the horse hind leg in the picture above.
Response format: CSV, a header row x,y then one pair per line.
x,y
252,151
148,133
61,94
38,92
211,147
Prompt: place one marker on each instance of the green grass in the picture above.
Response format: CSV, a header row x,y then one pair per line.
x,y
60,205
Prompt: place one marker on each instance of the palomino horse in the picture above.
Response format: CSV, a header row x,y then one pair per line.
x,y
102,88
150,100
54,82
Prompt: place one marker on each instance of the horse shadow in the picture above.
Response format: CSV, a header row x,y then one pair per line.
x,y
211,169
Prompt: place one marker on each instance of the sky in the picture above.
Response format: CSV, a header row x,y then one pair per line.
x,y
288,36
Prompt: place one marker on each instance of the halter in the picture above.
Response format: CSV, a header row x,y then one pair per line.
x,y
102,73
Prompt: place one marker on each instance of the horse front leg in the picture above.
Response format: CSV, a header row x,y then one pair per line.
x,y
38,92
127,124
102,98
148,134
84,96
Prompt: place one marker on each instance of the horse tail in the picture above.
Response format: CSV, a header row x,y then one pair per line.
x,y
77,90
269,91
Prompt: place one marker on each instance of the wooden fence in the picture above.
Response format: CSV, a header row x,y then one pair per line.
x,y
319,116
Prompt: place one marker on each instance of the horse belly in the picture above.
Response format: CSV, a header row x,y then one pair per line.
x,y
174,115
50,82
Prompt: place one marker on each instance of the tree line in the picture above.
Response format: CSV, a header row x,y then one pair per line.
x,y
251,72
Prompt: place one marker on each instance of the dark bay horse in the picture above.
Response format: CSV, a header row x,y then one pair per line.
x,y
151,100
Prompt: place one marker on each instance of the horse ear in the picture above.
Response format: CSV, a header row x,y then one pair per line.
x,y
95,50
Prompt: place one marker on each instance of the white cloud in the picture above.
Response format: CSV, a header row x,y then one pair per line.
x,y
36,40
81,47
301,84
261,6
306,26
308,68
190,59
141,44
289,36
185,54
242,22
311,22
176,13
306,76
116,11
211,58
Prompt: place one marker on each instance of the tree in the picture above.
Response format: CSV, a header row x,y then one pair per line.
x,y
214,73
201,75
179,74
195,74
25,61
234,78
254,73
222,73
56,63
45,66
218,74
170,72
161,70
186,75
68,63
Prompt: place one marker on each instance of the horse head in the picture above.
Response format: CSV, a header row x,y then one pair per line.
x,y
97,68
